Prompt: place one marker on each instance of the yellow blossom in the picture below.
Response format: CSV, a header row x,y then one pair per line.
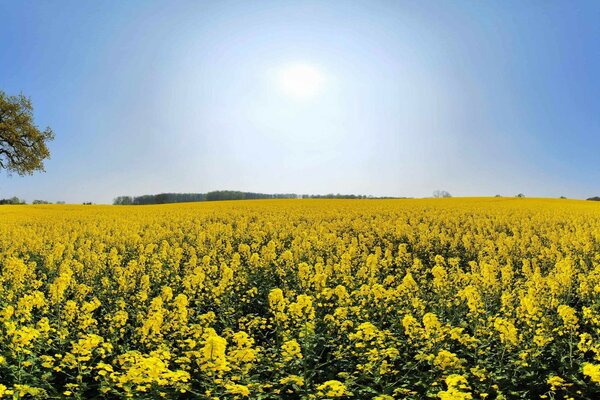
x,y
332,389
592,371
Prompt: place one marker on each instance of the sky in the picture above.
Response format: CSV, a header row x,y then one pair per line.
x,y
384,98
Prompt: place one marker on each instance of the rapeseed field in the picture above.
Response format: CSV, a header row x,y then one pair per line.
x,y
489,298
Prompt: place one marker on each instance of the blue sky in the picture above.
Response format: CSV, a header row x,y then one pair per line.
x,y
473,97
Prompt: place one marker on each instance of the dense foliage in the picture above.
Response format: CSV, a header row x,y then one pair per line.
x,y
23,146
12,200
302,299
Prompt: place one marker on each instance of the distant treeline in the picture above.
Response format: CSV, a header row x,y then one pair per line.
x,y
595,198
12,200
16,200
164,198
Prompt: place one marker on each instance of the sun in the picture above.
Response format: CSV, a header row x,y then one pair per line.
x,y
301,81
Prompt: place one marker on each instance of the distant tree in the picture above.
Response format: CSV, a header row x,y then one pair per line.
x,y
40,202
12,200
219,195
562,197
498,195
439,194
60,202
22,144
123,201
595,198
520,195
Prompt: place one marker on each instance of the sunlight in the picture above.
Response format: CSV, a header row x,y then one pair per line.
x,y
301,81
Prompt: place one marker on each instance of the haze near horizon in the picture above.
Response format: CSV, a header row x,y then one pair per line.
x,y
373,97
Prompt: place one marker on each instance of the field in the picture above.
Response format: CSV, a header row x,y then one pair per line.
x,y
302,299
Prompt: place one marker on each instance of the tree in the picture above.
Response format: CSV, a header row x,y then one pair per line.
x,y
123,201
520,195
12,200
438,194
22,144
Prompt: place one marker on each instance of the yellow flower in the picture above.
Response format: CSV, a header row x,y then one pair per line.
x,y
458,389
365,332
238,389
446,359
508,332
411,325
473,298
138,370
556,382
592,371
332,388
293,379
214,346
23,337
26,390
291,350
569,317
243,351
276,299
213,351
302,308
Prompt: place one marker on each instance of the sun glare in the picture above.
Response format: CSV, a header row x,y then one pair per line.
x,y
301,81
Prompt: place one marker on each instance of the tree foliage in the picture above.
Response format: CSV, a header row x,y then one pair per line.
x,y
441,194
12,200
22,144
